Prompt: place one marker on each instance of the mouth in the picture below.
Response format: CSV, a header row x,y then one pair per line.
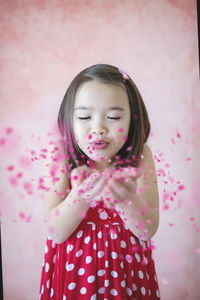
x,y
99,144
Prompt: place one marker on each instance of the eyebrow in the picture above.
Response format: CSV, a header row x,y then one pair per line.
x,y
109,108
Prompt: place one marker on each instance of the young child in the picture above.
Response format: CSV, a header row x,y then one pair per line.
x,y
101,203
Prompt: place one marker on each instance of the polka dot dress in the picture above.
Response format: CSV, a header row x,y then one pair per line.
x,y
102,259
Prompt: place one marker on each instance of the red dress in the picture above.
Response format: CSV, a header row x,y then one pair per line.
x,y
102,259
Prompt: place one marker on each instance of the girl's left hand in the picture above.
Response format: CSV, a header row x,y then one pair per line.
x,y
121,187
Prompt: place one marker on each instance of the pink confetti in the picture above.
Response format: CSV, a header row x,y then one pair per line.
x,y
125,138
181,187
129,148
22,216
19,175
173,141
13,181
2,141
121,130
57,212
9,130
89,136
27,185
10,168
188,158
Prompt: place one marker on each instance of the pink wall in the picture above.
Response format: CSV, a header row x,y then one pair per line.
x,y
44,44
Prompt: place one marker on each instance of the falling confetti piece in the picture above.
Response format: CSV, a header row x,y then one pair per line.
x,y
9,130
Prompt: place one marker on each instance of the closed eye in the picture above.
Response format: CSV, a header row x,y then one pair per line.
x,y
84,118
114,118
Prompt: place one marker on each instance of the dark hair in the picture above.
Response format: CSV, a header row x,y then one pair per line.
x,y
139,128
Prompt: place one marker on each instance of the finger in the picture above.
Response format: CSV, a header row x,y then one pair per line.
x,y
95,189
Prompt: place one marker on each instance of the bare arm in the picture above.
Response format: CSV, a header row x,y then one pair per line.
x,y
141,215
64,209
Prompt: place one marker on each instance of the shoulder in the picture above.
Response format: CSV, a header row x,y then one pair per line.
x,y
147,154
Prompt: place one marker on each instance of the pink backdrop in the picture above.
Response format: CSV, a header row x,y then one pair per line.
x,y
44,44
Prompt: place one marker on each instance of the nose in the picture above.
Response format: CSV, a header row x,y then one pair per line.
x,y
98,129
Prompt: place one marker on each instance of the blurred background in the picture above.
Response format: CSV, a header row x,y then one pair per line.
x,y
44,44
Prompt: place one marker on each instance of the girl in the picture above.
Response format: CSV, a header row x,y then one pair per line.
x,y
101,203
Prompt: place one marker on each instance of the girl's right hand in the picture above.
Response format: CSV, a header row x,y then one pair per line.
x,y
86,185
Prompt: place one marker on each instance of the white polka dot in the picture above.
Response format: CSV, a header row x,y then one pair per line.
x,y
106,283
79,252
113,292
123,283
106,264
52,292
123,244
91,279
106,243
132,273
71,286
79,234
64,297
114,274
113,235
125,227
100,234
54,258
128,291
119,229
157,293
83,291
69,248
143,291
42,290
122,265
87,239
129,258
88,259
133,242
95,246
149,292
155,277
134,287
81,271
100,254
69,267
48,284
46,249
101,272
137,257
141,275
93,297
103,215
114,254
47,267
101,290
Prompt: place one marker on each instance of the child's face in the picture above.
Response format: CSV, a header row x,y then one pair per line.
x,y
101,113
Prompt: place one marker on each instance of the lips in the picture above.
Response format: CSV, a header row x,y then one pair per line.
x,y
99,144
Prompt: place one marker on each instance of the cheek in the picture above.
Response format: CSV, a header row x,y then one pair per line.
x,y
80,131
